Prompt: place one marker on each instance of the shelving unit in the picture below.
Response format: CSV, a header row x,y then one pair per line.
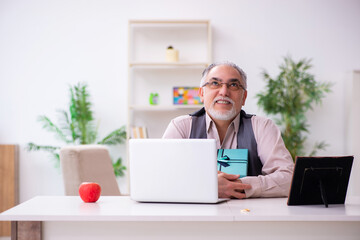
x,y
149,72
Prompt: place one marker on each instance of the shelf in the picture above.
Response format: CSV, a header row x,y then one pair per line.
x,y
177,22
168,64
164,108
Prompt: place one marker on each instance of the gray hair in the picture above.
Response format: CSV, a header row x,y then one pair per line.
x,y
227,63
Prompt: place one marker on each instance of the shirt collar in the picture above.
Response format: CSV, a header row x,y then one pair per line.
x,y
235,123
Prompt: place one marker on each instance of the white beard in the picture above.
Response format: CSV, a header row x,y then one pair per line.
x,y
220,115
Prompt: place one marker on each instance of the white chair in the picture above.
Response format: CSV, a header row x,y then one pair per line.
x,y
88,163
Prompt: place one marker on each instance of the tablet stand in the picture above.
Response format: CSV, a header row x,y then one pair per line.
x,y
322,188
326,180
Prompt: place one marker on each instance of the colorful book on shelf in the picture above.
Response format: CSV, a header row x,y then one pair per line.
x,y
139,132
186,96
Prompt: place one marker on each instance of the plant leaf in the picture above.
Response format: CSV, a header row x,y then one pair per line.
x,y
118,136
82,115
34,147
119,168
51,127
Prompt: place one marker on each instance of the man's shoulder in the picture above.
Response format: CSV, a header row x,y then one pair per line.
x,y
179,127
260,118
182,119
182,122
261,121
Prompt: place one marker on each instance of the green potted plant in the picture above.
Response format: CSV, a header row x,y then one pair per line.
x,y
289,96
76,126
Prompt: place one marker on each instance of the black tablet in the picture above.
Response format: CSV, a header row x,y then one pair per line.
x,y
320,180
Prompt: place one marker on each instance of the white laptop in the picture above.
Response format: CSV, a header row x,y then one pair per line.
x,y
173,170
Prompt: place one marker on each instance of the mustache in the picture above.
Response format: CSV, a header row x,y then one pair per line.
x,y
223,99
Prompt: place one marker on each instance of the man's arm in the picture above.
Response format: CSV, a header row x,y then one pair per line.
x,y
277,162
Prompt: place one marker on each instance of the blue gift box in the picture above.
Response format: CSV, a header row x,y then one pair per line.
x,y
233,161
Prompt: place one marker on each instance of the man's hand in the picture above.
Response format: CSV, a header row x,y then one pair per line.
x,y
230,186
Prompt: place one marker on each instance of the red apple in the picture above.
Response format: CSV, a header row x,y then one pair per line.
x,y
89,191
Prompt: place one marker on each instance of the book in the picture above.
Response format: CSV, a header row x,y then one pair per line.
x,y
186,96
139,132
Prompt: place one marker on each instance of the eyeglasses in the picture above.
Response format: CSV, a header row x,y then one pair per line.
x,y
216,84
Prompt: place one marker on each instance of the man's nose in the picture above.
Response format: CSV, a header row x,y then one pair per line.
x,y
224,90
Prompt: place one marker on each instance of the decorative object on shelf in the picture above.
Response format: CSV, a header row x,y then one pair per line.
x,y
154,99
172,55
290,95
186,96
139,132
77,127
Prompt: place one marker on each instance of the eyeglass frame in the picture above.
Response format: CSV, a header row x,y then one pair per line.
x,y
227,84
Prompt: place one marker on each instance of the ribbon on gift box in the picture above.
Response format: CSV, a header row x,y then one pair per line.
x,y
223,161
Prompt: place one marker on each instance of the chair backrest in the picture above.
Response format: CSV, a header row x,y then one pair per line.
x,y
88,163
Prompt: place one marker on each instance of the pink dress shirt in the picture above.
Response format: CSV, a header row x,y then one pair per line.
x,y
277,162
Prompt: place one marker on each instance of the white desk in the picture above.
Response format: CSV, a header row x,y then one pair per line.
x,y
111,217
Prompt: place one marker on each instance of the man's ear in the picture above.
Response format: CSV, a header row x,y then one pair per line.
x,y
201,94
244,98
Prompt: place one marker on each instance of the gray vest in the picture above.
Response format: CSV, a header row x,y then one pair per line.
x,y
245,138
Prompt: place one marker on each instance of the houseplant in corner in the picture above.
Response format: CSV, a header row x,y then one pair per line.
x,y
76,126
289,96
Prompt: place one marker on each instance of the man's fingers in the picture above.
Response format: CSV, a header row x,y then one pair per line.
x,y
229,176
238,195
240,186
243,185
229,185
246,186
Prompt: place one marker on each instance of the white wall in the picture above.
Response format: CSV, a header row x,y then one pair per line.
x,y
352,110
46,45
